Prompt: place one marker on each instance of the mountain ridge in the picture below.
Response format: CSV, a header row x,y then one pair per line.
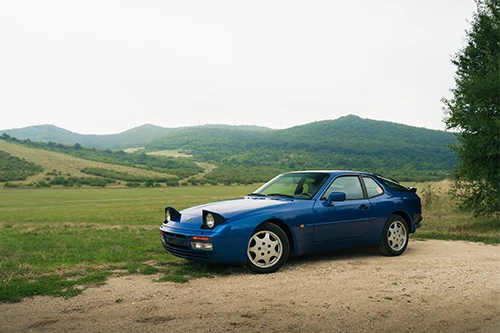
x,y
135,137
350,142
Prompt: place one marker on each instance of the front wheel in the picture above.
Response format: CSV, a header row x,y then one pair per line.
x,y
394,236
268,249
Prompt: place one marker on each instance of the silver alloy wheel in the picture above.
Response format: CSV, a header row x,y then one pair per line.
x,y
264,249
396,235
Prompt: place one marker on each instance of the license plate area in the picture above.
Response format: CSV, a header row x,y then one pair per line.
x,y
176,239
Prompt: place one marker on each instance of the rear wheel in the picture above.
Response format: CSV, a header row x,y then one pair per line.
x,y
394,236
268,249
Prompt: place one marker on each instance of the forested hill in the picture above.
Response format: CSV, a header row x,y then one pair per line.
x,y
349,142
135,137
246,154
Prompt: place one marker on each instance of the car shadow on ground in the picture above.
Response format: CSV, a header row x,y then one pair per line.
x,y
359,254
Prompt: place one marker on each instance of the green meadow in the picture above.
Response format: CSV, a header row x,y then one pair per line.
x,y
54,240
57,241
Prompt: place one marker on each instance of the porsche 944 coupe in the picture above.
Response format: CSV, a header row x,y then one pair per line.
x,y
293,214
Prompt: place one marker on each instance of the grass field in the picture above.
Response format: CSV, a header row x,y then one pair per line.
x,y
55,241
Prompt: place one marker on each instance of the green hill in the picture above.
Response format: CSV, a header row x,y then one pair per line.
x,y
400,151
15,168
248,154
135,137
42,167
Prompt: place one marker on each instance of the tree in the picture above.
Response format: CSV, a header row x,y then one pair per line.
x,y
473,112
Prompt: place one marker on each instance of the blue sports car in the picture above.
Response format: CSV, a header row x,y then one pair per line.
x,y
293,214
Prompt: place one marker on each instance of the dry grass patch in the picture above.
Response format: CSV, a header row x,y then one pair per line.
x,y
171,153
66,164
443,219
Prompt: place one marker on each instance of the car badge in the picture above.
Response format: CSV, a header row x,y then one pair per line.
x,y
189,218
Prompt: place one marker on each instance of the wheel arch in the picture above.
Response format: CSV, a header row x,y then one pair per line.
x,y
286,230
391,242
405,217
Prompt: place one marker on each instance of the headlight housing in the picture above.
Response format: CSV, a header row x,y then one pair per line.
x,y
211,219
171,214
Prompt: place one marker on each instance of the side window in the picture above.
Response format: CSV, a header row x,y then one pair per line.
x,y
372,188
349,185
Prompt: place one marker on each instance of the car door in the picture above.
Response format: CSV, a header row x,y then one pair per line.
x,y
350,218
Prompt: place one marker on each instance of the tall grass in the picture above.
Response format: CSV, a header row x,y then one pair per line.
x,y
444,220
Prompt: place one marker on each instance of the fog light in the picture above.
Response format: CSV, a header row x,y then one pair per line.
x,y
201,246
163,240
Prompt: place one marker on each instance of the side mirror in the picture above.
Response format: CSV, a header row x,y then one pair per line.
x,y
336,196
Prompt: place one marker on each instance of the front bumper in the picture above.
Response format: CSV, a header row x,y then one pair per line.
x,y
179,245
228,245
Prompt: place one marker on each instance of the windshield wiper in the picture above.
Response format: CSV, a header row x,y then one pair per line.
x,y
280,195
258,194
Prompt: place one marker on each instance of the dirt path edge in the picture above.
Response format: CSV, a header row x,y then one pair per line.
x,y
436,286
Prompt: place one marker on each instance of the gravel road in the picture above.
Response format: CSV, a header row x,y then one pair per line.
x,y
436,286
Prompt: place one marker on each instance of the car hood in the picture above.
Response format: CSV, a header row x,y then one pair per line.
x,y
236,208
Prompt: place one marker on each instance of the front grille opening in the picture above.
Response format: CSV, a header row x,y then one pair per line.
x,y
171,234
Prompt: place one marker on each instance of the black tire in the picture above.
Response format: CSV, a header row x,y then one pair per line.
x,y
395,236
268,249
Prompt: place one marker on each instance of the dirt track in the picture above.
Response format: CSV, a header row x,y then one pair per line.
x,y
436,286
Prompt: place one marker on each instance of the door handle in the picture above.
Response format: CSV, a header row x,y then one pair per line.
x,y
364,207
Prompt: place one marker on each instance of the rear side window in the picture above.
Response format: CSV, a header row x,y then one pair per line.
x,y
372,188
393,185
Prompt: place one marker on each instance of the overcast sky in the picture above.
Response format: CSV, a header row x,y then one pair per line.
x,y
98,67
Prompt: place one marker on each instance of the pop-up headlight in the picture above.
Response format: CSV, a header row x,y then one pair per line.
x,y
211,219
171,214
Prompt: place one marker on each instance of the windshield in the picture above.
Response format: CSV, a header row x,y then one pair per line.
x,y
294,185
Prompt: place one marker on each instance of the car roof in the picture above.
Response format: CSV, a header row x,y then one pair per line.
x,y
333,172
330,171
